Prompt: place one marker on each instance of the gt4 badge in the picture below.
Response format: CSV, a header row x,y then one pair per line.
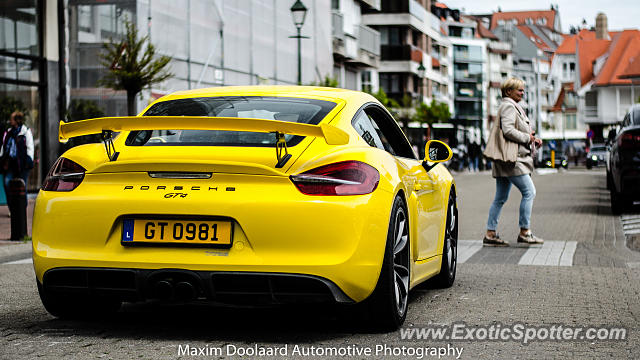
x,y
175,195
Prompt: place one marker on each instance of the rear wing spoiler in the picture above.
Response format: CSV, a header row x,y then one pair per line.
x,y
107,125
330,134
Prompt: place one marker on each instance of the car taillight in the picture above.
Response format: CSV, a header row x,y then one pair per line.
x,y
65,175
342,178
628,141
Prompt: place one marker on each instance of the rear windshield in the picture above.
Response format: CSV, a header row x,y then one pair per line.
x,y
306,111
598,148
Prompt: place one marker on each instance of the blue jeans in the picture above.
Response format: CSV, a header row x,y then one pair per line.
x,y
503,186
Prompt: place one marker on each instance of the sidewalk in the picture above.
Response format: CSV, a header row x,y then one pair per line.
x,y
13,250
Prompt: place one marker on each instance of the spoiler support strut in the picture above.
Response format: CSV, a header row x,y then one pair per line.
x,y
107,137
281,150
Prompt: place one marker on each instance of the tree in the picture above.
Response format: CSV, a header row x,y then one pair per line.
x,y
80,109
132,65
435,112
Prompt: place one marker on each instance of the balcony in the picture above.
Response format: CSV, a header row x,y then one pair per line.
x,y
590,113
369,40
401,53
465,75
471,54
362,48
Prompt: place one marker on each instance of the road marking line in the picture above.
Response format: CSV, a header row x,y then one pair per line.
x,y
546,171
23,261
551,253
466,249
567,255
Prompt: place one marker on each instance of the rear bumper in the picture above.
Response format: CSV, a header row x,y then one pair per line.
x,y
243,288
276,229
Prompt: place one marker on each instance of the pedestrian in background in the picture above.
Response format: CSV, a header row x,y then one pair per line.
x,y
16,153
512,145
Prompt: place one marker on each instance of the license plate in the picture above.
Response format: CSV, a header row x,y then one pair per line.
x,y
199,232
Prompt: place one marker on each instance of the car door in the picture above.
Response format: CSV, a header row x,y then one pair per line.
x,y
423,187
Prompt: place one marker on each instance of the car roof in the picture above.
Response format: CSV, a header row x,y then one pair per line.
x,y
314,92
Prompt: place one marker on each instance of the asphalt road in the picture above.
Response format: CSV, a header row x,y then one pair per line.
x,y
584,276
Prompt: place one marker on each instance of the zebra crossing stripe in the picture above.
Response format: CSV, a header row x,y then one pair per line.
x,y
466,249
630,224
551,253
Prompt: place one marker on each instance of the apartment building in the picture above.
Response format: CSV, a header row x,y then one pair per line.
x,y
596,70
534,37
356,47
470,58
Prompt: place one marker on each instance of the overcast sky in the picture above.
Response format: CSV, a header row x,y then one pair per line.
x,y
621,14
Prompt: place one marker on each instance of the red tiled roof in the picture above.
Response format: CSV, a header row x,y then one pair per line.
x,y
485,33
589,51
566,87
624,46
537,40
633,69
568,46
522,16
435,63
441,5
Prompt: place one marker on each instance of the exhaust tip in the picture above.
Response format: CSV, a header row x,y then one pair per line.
x,y
185,291
163,289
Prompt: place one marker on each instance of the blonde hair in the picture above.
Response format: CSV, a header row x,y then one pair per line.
x,y
511,84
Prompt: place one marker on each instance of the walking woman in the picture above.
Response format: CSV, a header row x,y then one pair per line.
x,y
511,147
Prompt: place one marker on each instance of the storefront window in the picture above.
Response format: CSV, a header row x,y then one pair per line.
x,y
18,27
27,100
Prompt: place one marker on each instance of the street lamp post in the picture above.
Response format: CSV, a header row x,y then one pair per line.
x,y
298,13
421,71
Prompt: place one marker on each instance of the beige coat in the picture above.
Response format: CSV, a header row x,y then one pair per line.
x,y
515,127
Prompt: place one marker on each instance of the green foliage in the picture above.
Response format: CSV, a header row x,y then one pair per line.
x,y
435,112
80,109
327,82
384,99
430,114
133,65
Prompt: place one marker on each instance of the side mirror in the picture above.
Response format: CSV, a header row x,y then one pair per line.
x,y
437,151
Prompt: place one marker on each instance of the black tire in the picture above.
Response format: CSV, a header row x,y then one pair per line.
x,y
589,166
77,307
609,181
447,274
387,306
619,202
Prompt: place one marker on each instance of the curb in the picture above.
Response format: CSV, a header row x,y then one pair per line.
x,y
14,250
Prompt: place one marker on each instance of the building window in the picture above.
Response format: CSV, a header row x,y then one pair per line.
x,y
390,35
503,57
335,4
366,81
570,122
455,31
390,83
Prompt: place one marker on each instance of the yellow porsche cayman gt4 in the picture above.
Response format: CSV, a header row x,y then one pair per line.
x,y
245,195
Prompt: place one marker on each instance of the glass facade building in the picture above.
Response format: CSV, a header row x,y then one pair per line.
x,y
22,69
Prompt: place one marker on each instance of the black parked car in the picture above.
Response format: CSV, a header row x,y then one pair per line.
x,y
596,155
624,162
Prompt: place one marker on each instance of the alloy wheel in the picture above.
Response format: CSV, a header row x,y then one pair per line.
x,y
401,261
